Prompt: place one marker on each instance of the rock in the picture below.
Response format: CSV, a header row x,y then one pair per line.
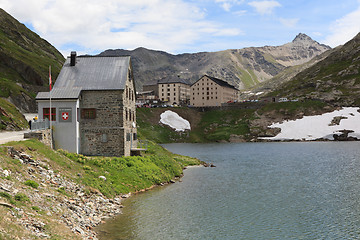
x,y
344,136
102,177
6,173
79,230
172,181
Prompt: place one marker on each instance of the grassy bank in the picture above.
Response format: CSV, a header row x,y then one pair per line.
x,y
47,193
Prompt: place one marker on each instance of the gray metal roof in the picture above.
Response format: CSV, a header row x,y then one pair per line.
x,y
89,73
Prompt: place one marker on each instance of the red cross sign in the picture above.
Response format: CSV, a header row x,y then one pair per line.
x,y
65,116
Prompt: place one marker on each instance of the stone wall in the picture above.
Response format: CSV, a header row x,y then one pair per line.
x,y
104,134
42,135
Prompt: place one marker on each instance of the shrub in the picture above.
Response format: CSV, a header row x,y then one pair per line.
x,y
32,183
5,195
35,208
21,197
87,168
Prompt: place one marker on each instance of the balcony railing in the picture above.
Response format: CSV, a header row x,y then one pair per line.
x,y
40,125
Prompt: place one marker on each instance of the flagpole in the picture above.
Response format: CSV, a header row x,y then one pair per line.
x,y
50,110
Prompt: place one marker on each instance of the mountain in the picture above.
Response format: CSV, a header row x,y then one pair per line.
x,y
243,68
335,79
24,63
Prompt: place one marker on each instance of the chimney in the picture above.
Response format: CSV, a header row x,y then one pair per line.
x,y
73,58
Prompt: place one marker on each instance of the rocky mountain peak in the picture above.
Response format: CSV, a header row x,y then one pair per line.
x,y
302,37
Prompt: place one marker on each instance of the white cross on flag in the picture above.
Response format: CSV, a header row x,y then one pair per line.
x,y
65,116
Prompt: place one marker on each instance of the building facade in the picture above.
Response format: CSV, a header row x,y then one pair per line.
x,y
174,91
93,106
210,91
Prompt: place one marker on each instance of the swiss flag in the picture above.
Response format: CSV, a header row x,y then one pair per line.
x,y
50,81
65,116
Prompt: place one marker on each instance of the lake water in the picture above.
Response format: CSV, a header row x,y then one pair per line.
x,y
291,190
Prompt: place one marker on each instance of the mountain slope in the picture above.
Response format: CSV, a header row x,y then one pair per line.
x,y
336,79
243,68
24,62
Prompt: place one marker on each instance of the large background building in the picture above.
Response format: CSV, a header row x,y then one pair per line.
x,y
210,91
174,90
92,106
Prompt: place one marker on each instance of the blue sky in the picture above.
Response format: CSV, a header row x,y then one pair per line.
x,y
184,26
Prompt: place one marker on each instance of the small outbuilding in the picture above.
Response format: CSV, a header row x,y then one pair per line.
x,y
92,106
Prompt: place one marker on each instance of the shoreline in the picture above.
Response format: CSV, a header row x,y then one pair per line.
x,y
142,191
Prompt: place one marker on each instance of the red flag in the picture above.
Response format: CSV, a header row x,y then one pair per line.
x,y
50,81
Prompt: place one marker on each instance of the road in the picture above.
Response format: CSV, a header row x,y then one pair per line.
x,y
8,136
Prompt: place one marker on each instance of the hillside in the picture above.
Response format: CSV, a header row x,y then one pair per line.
x,y
335,79
24,63
240,123
243,68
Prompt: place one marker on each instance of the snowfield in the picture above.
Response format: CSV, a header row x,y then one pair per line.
x,y
315,127
173,120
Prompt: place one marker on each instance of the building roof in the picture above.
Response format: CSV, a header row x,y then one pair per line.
x,y
89,73
219,82
174,79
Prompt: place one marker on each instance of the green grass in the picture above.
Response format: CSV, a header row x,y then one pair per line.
x,y
123,174
130,174
31,183
218,125
290,108
156,132
21,197
10,115
248,77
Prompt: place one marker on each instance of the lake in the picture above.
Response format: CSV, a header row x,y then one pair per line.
x,y
294,190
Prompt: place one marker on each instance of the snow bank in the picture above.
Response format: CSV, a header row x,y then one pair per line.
x,y
314,127
173,120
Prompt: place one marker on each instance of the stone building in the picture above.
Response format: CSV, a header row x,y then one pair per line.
x,y
211,91
92,106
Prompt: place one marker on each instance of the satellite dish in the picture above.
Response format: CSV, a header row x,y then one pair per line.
x,y
134,125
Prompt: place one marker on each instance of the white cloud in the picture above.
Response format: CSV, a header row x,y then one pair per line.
x,y
265,7
99,25
228,4
344,29
240,13
289,22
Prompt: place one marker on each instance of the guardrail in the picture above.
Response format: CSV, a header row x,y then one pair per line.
x,y
40,125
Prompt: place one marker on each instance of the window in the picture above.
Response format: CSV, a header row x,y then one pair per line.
x,y
88,113
128,137
46,113
134,136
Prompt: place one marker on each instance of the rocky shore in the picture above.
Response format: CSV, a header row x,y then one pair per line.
x,y
60,199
